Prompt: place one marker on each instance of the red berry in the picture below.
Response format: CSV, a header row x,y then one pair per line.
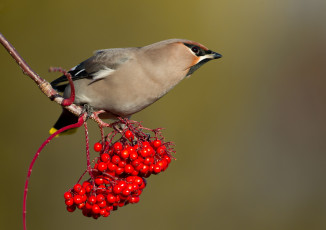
x,y
122,184
124,154
136,162
101,188
102,204
112,167
109,208
106,213
119,171
135,173
102,166
117,189
129,169
117,146
144,153
85,184
99,181
92,199
115,159
149,161
100,198
139,167
77,187
67,195
157,168
105,157
130,179
139,181
117,199
71,208
146,144
69,202
161,150
81,205
77,199
122,164
135,187
134,199
138,192
121,204
82,191
111,198
150,151
97,147
145,169
163,163
88,205
157,143
129,135
131,149
126,192
167,158
96,209
89,188
133,156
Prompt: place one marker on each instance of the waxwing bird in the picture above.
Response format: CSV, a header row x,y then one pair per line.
x,y
123,81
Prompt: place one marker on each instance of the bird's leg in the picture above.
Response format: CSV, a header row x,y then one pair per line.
x,y
87,109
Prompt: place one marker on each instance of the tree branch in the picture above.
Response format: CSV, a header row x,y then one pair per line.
x,y
44,86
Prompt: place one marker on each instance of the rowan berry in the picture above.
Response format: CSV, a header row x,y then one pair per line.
x,y
67,195
77,199
77,187
105,157
117,146
115,159
96,209
69,202
124,154
157,143
97,147
129,135
111,198
71,208
102,166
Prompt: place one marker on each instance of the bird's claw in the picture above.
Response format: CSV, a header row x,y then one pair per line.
x,y
87,109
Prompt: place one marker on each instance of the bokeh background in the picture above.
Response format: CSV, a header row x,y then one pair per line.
x,y
249,128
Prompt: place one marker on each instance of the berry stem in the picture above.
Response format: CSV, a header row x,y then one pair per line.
x,y
87,151
67,101
76,125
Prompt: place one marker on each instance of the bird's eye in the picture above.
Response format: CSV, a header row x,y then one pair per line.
x,y
196,50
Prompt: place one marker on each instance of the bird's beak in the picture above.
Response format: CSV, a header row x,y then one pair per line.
x,y
213,55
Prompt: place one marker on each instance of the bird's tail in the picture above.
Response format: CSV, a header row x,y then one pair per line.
x,y
66,118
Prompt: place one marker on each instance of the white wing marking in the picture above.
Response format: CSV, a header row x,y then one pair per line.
x,y
102,73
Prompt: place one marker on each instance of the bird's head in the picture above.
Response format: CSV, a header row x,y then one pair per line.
x,y
200,55
179,55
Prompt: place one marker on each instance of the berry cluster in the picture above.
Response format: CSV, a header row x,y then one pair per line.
x,y
118,175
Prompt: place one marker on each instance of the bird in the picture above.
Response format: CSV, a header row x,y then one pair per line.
x,y
124,81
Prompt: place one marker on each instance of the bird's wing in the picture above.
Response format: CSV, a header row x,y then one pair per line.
x,y
101,65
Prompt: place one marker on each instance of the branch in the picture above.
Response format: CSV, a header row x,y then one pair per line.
x,y
44,86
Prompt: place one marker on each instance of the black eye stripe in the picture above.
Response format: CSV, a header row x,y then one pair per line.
x,y
197,50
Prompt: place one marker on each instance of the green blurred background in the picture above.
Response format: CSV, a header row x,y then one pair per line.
x,y
249,128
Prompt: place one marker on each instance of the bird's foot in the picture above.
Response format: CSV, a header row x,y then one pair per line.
x,y
87,109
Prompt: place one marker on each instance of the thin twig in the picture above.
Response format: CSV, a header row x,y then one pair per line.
x,y
44,85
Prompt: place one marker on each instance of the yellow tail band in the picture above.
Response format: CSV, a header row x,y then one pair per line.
x,y
68,132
